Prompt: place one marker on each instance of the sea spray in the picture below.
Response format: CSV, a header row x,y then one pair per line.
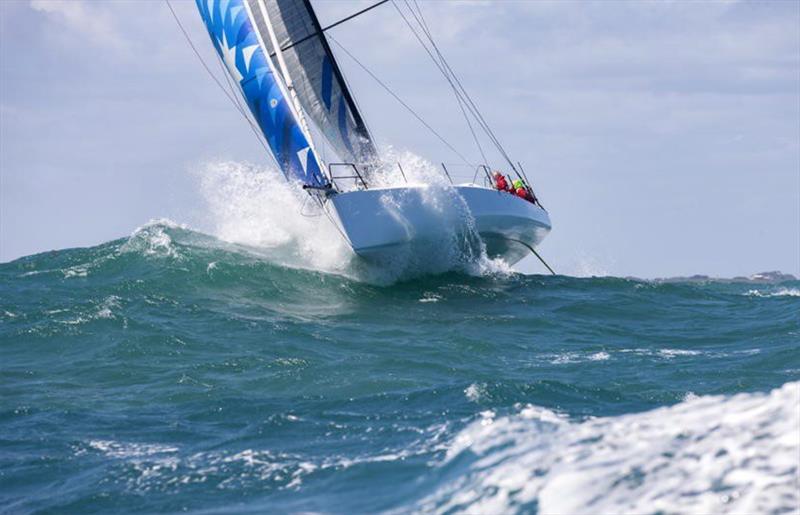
x,y
255,206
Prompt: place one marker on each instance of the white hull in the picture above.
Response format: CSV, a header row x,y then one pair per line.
x,y
380,222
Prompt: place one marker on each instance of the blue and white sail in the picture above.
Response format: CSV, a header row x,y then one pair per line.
x,y
244,52
318,83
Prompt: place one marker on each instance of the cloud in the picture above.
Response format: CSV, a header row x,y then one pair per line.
x,y
90,19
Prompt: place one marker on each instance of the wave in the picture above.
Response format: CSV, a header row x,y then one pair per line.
x,y
705,455
780,292
162,249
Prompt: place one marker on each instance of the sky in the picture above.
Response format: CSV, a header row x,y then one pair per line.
x,y
663,137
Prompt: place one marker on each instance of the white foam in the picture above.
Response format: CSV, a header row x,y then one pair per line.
x,y
109,303
576,357
122,450
163,467
103,309
430,297
475,392
705,455
781,292
671,353
76,271
153,239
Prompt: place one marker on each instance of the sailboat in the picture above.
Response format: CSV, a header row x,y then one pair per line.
x,y
277,54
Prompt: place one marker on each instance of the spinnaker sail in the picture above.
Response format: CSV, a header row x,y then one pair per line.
x,y
315,75
245,55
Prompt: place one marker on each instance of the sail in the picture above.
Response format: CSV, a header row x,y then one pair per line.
x,y
243,52
315,75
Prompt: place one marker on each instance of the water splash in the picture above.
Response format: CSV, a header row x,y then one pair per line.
x,y
255,206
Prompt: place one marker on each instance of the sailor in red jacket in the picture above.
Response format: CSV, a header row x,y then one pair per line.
x,y
500,181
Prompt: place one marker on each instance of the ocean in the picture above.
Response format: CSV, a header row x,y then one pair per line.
x,y
171,371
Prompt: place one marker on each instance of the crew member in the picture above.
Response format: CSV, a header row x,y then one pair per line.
x,y
522,190
518,188
500,181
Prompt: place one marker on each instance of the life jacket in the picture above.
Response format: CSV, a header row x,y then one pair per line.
x,y
522,193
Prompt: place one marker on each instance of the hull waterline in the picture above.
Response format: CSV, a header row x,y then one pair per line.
x,y
382,222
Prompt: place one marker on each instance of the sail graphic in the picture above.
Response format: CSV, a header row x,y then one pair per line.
x,y
315,75
230,27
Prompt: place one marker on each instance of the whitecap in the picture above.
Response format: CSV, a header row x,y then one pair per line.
x,y
599,356
565,358
76,271
153,239
671,353
708,454
123,450
475,392
781,292
430,297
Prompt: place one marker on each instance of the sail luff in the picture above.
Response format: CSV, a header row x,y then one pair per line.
x,y
287,79
230,26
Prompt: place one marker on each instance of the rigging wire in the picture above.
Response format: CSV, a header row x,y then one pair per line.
x,y
446,70
426,30
408,108
474,108
233,98
425,47
450,75
459,100
245,112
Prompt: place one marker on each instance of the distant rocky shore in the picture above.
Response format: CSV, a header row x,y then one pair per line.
x,y
760,278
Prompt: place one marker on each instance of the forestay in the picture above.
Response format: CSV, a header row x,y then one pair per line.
x,y
315,75
245,56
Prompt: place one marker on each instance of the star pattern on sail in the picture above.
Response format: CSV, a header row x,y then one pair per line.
x,y
303,155
229,57
239,47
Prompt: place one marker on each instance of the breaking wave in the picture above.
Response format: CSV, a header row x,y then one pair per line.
x,y
707,454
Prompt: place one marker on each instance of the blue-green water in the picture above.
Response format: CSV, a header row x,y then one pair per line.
x,y
172,372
